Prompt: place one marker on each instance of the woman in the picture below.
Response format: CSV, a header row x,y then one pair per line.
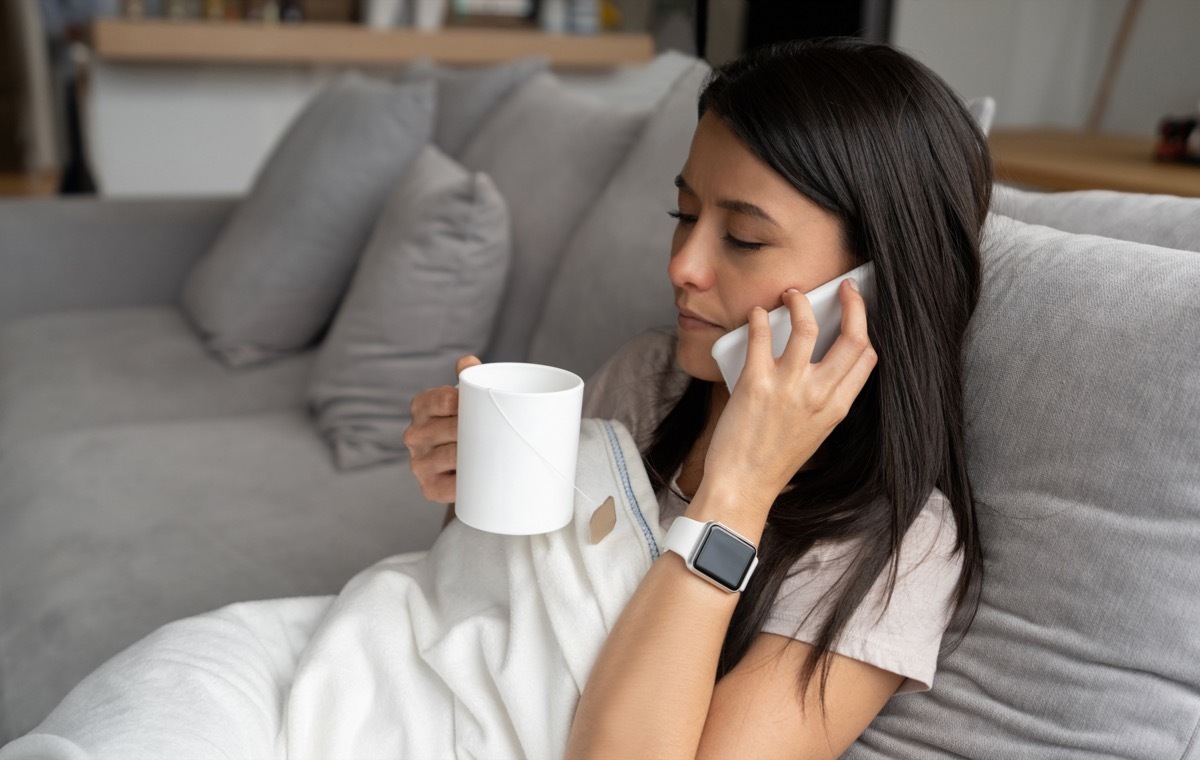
x,y
849,474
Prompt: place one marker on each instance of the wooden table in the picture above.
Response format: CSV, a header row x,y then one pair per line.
x,y
1064,160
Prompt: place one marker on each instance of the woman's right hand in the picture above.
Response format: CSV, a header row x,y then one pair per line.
x,y
432,438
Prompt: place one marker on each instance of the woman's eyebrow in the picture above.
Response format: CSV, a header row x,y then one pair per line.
x,y
749,209
737,207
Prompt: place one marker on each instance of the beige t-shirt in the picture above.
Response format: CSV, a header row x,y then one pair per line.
x,y
641,382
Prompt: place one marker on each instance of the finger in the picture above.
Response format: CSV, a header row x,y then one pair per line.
x,y
435,402
758,344
853,340
799,349
435,463
854,381
441,489
434,431
444,459
464,362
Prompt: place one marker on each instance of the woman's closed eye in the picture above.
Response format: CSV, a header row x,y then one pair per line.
x,y
744,245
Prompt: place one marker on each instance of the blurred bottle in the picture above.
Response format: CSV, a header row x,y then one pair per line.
x,y
183,9
553,16
610,16
585,16
1193,141
291,12
1174,137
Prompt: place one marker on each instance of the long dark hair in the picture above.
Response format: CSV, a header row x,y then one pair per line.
x,y
880,141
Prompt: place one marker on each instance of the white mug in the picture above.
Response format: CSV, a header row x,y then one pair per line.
x,y
518,442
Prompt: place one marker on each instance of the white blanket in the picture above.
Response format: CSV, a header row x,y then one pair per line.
x,y
478,648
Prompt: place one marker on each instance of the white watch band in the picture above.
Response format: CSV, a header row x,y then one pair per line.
x,y
683,536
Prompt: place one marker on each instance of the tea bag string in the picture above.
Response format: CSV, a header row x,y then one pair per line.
x,y
555,470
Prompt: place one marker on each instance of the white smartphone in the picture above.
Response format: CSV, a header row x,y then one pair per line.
x,y
730,349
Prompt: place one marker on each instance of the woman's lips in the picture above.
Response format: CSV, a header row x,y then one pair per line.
x,y
691,322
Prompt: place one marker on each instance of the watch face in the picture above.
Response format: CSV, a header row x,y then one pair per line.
x,y
724,557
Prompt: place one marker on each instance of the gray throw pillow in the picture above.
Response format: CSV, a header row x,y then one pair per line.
x,y
467,95
271,281
425,293
550,151
1082,395
612,283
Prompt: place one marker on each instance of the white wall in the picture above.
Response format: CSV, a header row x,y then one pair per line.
x,y
1042,59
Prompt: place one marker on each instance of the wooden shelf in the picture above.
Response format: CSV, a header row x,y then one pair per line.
x,y
232,42
44,183
1064,160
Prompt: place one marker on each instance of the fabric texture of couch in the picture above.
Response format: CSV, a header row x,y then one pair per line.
x,y
142,480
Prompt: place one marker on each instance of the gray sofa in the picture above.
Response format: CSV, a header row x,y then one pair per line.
x,y
141,480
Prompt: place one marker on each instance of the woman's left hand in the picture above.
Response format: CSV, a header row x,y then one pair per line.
x,y
781,410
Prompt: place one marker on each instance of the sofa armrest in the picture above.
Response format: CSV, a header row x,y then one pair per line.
x,y
58,254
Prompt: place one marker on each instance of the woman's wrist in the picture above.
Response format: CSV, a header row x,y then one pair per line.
x,y
736,507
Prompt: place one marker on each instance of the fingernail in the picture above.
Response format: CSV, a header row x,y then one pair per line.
x,y
791,290
853,283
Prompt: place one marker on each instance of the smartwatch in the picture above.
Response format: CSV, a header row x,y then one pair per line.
x,y
714,552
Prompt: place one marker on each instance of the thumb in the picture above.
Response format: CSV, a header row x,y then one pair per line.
x,y
464,362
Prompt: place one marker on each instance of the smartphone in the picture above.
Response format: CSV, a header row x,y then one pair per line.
x,y
730,349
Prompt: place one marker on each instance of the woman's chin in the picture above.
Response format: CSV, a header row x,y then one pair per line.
x,y
697,362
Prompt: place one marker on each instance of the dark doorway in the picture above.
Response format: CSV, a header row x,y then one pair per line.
x,y
774,20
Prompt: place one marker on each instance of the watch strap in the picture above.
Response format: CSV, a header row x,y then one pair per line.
x,y
683,536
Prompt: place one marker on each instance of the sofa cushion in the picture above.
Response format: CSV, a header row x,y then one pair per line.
x,y
1082,395
642,84
612,283
550,152
425,293
112,532
465,96
73,370
61,253
274,276
1165,220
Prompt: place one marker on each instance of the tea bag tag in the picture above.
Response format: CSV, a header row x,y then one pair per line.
x,y
603,520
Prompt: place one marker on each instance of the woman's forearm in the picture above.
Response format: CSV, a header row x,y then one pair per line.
x,y
649,692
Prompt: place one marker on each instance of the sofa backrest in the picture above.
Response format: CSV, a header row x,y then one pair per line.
x,y
611,282
550,151
1082,400
1165,220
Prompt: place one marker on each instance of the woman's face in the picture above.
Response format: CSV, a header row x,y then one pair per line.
x,y
744,237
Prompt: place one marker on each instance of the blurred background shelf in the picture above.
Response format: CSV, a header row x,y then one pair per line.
x,y
1059,159
31,183
176,107
126,41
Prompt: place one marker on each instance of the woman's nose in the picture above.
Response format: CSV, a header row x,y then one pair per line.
x,y
690,264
